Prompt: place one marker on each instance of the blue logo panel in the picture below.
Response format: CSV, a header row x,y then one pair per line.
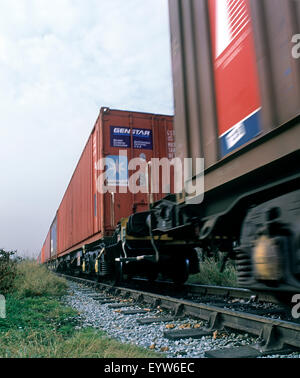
x,y
240,134
120,137
116,170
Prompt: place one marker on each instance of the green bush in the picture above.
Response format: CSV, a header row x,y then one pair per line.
x,y
210,274
8,271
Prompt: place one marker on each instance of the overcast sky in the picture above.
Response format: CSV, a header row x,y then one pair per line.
x,y
60,61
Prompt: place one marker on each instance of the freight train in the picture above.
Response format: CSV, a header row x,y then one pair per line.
x,y
237,105
93,232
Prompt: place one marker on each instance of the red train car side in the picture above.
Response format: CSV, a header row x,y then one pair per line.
x,y
86,215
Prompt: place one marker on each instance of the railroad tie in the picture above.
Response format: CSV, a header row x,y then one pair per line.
x,y
179,334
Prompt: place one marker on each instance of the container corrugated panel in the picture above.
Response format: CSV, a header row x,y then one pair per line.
x,y
47,253
85,214
42,255
75,214
235,81
53,241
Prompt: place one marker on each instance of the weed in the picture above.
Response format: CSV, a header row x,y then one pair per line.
x,y
210,274
36,280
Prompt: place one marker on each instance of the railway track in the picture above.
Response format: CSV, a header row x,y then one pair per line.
x,y
194,290
272,335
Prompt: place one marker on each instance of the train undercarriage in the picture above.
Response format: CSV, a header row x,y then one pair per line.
x,y
257,226
131,252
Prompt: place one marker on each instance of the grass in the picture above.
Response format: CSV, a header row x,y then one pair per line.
x,y
210,274
38,325
44,328
36,280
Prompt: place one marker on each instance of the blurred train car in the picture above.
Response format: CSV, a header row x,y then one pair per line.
x,y
237,105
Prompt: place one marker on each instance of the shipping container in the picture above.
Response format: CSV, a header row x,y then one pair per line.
x,y
53,241
43,254
47,248
86,215
236,85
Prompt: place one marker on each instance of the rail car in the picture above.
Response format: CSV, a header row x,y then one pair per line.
x,y
237,105
94,232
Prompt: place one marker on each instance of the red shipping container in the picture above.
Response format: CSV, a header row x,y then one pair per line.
x,y
47,254
42,255
86,215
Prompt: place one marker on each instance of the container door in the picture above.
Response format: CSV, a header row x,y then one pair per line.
x,y
94,190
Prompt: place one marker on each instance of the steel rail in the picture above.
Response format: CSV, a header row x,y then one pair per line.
x,y
224,291
274,335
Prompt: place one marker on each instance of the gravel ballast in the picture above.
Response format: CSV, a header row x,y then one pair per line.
x,y
125,328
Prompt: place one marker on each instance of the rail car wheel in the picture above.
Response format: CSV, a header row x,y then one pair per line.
x,y
181,271
119,275
152,274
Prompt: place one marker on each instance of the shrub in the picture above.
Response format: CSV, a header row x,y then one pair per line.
x,y
8,271
210,274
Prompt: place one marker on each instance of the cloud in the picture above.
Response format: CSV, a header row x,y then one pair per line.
x,y
60,61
